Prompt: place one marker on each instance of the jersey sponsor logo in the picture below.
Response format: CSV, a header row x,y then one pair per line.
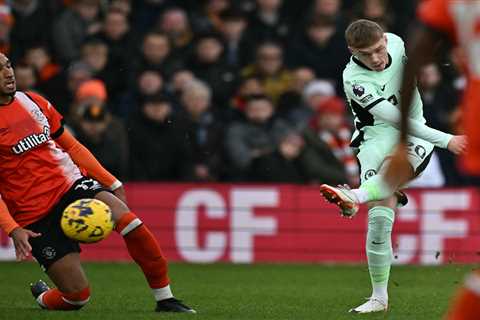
x,y
32,141
358,90
367,98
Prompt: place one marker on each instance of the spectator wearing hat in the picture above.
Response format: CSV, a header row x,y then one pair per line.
x,y
330,126
62,89
314,93
104,135
91,91
158,149
94,88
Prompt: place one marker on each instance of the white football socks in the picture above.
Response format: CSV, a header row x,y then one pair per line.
x,y
380,292
162,293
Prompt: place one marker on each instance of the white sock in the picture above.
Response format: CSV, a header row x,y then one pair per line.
x,y
380,292
40,300
162,293
362,195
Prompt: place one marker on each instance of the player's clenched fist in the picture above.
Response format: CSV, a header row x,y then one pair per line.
x,y
458,144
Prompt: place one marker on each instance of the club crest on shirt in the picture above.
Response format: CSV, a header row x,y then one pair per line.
x,y
358,90
370,173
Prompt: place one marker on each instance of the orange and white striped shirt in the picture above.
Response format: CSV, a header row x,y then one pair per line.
x,y
34,171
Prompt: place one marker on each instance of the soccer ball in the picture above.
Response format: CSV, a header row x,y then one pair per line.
x,y
87,220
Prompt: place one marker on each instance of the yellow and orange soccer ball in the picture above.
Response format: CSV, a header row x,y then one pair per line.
x,y
87,220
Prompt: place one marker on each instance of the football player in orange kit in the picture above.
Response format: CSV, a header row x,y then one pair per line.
x,y
457,23
40,175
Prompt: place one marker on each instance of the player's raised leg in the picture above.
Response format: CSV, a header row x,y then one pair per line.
x,y
145,251
72,291
374,188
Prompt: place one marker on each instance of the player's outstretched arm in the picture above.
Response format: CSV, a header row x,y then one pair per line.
x,y
86,160
390,114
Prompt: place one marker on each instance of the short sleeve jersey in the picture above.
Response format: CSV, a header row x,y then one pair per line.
x,y
34,171
365,88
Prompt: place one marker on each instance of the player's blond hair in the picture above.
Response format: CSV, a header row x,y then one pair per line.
x,y
363,33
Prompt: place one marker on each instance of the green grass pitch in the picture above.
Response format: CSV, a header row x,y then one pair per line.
x,y
221,291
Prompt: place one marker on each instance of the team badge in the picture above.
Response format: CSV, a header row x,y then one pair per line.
x,y
49,253
370,173
358,90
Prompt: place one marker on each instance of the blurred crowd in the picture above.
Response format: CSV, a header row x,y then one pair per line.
x,y
211,90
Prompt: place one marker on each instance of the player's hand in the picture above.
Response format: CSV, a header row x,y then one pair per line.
x,y
120,194
458,144
20,238
399,170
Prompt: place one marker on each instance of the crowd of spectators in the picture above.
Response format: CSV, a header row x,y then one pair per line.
x,y
209,90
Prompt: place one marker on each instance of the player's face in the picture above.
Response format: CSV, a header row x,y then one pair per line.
x,y
7,77
375,56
